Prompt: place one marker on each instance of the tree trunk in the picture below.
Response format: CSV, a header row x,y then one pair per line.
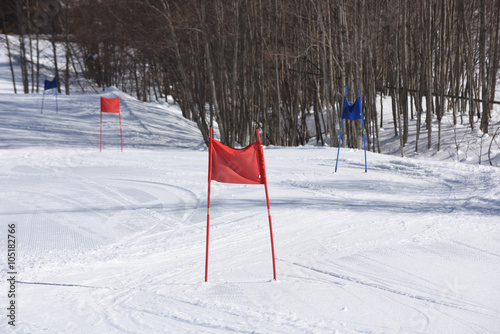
x,y
428,99
404,72
482,69
9,53
22,46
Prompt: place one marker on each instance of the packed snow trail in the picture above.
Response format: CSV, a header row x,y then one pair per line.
x,y
114,242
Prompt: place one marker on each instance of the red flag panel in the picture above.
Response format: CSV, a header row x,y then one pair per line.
x,y
110,105
244,165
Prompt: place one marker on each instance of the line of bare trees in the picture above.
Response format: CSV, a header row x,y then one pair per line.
x,y
275,64
31,21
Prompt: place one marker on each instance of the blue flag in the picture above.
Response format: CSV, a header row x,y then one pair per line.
x,y
352,112
50,84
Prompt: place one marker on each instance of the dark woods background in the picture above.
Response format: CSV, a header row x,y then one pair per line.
x,y
272,63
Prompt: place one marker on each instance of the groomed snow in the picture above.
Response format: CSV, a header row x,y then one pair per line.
x,y
114,242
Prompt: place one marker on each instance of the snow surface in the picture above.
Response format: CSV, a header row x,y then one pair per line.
x,y
114,242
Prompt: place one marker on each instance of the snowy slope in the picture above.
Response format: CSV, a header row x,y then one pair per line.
x,y
114,242
74,121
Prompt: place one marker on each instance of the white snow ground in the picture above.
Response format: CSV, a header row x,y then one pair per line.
x,y
112,242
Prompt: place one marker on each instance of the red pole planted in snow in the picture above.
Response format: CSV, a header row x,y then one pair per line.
x,y
208,200
268,206
121,138
100,141
271,231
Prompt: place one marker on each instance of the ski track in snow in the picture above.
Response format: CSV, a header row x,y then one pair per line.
x,y
114,242
120,244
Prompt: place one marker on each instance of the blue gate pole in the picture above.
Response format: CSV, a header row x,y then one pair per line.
x,y
364,137
340,142
43,100
364,143
341,126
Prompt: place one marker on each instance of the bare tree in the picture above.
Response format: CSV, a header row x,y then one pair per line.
x,y
274,64
7,43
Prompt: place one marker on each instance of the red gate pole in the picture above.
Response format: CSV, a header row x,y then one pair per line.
x,y
208,200
271,231
100,141
121,138
268,206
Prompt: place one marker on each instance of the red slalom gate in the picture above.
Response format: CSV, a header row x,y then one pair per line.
x,y
243,166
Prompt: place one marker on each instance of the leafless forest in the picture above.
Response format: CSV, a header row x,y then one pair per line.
x,y
272,63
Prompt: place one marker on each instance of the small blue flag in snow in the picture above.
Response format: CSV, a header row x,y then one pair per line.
x,y
352,112
50,84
